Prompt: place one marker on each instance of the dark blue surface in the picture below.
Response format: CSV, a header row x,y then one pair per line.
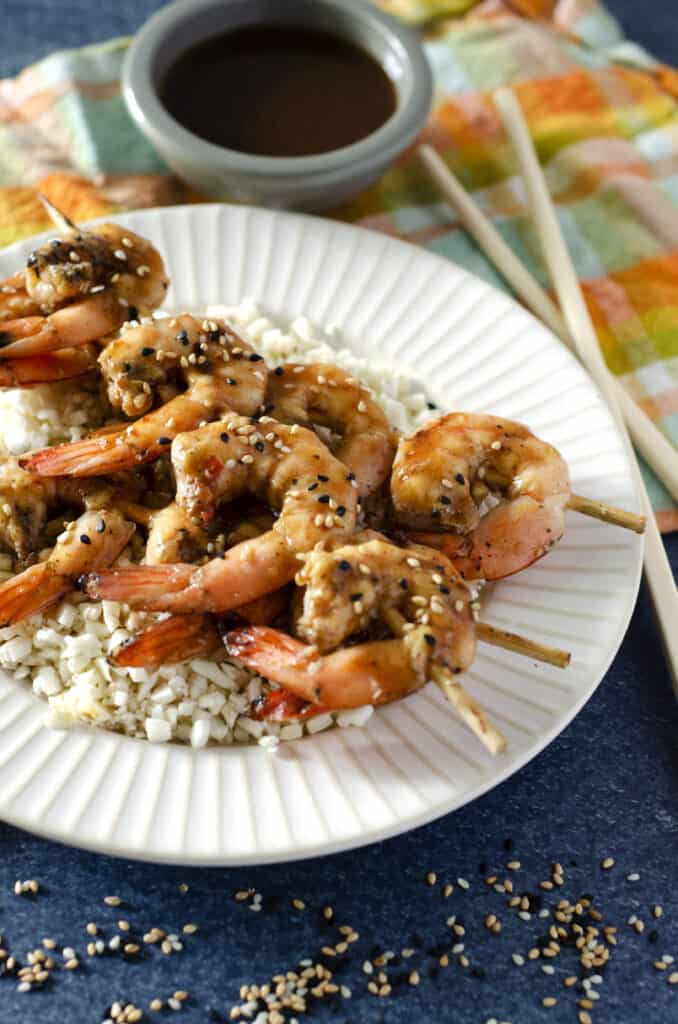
x,y
608,785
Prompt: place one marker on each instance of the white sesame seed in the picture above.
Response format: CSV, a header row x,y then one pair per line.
x,y
518,959
633,877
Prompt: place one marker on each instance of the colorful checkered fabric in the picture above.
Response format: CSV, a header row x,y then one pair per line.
x,y
603,116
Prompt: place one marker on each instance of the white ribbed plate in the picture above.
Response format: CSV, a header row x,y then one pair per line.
x,y
476,350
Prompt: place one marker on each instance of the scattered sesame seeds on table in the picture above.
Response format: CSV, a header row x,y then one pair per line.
x,y
88,939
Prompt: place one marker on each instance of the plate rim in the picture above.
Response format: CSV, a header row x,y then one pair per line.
x,y
366,836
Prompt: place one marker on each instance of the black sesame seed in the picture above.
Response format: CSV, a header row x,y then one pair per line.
x,y
430,639
229,380
84,539
101,526
404,585
341,511
459,477
133,313
278,371
321,476
214,335
182,336
344,565
224,437
260,446
351,476
444,500
147,350
356,597
324,499
443,589
164,440
255,358
314,486
431,405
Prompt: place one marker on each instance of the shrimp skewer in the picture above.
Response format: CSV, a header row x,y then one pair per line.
x,y
234,379
80,287
289,468
442,473
318,393
90,542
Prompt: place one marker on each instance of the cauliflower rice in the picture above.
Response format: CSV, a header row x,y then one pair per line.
x,y
64,655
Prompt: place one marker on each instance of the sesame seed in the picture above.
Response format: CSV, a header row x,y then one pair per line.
x,y
112,901
413,978
657,911
673,978
607,863
513,865
431,877
633,877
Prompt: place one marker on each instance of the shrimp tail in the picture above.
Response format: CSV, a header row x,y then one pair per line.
x,y
30,593
139,585
276,656
164,643
32,370
27,336
282,706
90,457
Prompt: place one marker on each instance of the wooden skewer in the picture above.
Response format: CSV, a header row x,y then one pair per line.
x,y
608,514
655,448
59,219
468,710
521,645
565,281
137,513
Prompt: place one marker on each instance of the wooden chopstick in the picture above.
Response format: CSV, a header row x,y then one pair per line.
x,y
657,451
581,329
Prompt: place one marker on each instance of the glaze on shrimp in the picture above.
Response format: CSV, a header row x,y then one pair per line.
x,y
289,468
442,474
81,287
325,395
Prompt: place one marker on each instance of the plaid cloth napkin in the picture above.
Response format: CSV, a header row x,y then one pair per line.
x,y
602,113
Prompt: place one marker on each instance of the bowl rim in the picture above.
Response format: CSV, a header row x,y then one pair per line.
x,y
144,105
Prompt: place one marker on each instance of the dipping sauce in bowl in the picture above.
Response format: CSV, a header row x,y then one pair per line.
x,y
284,103
278,91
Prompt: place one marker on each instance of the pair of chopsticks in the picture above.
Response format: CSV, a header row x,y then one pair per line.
x,y
575,329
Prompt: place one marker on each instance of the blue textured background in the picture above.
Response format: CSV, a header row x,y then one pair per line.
x,y
608,785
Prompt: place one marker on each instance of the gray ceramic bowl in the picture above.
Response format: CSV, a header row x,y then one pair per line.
x,y
309,182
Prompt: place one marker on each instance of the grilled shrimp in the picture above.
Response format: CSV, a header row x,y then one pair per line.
x,y
90,542
346,590
290,468
172,535
327,396
26,503
236,382
78,288
159,360
442,474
